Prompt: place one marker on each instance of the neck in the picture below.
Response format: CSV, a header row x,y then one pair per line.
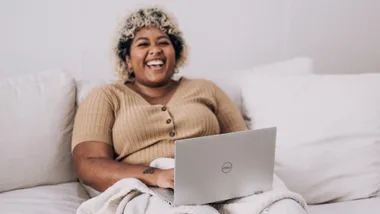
x,y
153,92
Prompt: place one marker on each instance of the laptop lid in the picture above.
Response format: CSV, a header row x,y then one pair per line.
x,y
220,167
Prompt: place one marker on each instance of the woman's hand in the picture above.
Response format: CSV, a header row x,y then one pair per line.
x,y
165,178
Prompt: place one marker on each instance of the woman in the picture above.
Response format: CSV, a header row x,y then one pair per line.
x,y
120,128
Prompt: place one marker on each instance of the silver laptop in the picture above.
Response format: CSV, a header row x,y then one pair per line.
x,y
221,167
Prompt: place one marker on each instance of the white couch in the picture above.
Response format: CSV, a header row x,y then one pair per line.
x,y
36,118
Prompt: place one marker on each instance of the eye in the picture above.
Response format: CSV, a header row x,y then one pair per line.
x,y
163,43
143,44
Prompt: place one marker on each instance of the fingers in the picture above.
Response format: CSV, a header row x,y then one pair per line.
x,y
169,184
166,179
171,171
172,174
171,178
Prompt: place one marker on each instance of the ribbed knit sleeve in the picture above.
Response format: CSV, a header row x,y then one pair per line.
x,y
229,116
94,119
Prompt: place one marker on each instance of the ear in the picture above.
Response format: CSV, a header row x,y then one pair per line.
x,y
128,62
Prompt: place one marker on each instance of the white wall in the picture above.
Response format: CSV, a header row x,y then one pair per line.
x,y
37,35
340,35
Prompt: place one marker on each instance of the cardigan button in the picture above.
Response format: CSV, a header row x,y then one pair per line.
x,y
172,134
163,108
168,121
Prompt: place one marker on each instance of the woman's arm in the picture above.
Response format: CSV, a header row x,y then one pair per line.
x,y
229,116
92,147
96,168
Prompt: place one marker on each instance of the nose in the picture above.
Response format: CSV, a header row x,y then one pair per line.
x,y
155,50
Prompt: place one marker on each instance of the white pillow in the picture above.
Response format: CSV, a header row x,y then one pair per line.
x,y
328,140
293,66
36,118
297,66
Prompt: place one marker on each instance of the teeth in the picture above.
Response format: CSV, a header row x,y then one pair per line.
x,y
155,62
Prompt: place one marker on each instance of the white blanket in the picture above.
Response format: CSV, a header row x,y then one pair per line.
x,y
131,196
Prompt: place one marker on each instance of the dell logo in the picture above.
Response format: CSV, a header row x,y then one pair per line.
x,y
226,167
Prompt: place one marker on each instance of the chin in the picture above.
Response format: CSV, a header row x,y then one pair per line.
x,y
158,82
158,79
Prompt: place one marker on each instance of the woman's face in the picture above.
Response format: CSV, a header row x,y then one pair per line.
x,y
152,57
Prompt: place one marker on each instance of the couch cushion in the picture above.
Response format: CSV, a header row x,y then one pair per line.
x,y
57,199
368,206
328,140
36,114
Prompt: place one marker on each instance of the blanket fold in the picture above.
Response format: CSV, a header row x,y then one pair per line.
x,y
131,196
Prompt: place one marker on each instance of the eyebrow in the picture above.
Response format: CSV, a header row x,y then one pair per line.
x,y
158,38
163,37
142,38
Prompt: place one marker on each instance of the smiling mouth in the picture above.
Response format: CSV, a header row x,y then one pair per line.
x,y
155,64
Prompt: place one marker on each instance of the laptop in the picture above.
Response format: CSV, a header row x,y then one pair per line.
x,y
217,168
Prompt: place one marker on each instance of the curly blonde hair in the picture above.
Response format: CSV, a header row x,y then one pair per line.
x,y
145,17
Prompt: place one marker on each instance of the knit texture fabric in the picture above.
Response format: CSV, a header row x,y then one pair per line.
x,y
140,132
